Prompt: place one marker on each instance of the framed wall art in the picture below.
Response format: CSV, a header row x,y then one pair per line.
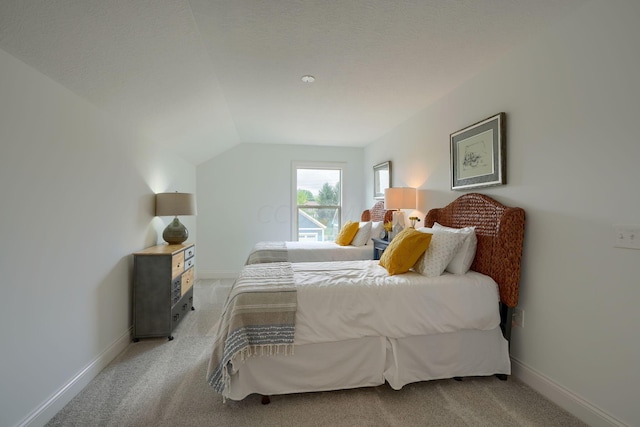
x,y
381,179
478,154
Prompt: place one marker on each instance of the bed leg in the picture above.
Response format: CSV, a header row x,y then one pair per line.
x,y
502,377
266,400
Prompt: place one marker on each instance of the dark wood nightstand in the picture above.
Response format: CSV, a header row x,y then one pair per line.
x,y
379,245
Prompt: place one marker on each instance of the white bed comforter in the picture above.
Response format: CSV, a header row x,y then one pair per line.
x,y
326,251
277,251
352,299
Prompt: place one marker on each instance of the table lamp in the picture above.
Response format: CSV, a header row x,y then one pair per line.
x,y
396,199
174,204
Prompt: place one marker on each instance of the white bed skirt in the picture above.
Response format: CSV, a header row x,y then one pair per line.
x,y
370,361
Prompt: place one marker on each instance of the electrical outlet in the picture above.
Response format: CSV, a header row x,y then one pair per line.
x,y
626,236
518,317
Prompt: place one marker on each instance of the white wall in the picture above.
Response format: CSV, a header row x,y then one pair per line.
x,y
244,196
572,99
77,198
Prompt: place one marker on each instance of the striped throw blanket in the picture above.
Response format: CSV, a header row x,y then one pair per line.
x,y
268,252
258,319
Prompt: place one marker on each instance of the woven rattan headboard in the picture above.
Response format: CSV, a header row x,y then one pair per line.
x,y
500,231
377,213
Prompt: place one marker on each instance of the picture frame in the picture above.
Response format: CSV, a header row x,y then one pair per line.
x,y
381,179
478,154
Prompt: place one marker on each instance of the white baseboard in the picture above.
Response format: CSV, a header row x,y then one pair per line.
x,y
566,399
218,274
49,408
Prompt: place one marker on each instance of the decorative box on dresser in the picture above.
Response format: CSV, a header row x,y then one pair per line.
x,y
162,289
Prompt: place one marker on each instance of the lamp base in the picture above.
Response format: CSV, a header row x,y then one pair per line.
x,y
398,223
175,233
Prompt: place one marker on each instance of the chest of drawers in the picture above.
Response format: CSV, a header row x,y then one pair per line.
x,y
163,278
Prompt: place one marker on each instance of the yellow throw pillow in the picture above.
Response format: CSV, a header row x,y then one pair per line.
x,y
347,233
404,250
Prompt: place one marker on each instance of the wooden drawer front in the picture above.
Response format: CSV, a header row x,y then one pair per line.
x,y
187,281
190,252
189,263
177,264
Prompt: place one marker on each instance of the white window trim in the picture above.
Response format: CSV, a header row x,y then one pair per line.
x,y
297,164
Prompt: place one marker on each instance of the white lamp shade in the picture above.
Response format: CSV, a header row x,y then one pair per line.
x,y
174,204
400,198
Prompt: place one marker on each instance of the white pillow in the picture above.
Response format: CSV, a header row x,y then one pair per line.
x,y
426,230
440,252
362,236
376,229
461,262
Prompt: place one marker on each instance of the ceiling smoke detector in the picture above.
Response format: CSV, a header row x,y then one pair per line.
x,y
308,79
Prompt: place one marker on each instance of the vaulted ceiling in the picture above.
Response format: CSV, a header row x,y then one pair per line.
x,y
200,76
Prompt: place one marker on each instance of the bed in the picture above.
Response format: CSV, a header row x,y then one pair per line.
x,y
327,335
281,251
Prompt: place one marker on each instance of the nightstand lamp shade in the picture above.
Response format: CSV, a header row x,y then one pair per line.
x,y
396,199
174,204
400,198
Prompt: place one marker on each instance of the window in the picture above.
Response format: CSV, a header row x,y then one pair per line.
x,y
317,195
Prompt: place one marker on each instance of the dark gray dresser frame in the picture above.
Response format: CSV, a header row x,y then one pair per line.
x,y
157,305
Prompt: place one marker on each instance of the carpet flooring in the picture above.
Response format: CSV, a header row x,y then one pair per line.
x,y
156,382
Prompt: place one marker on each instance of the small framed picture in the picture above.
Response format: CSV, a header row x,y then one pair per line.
x,y
478,154
381,179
